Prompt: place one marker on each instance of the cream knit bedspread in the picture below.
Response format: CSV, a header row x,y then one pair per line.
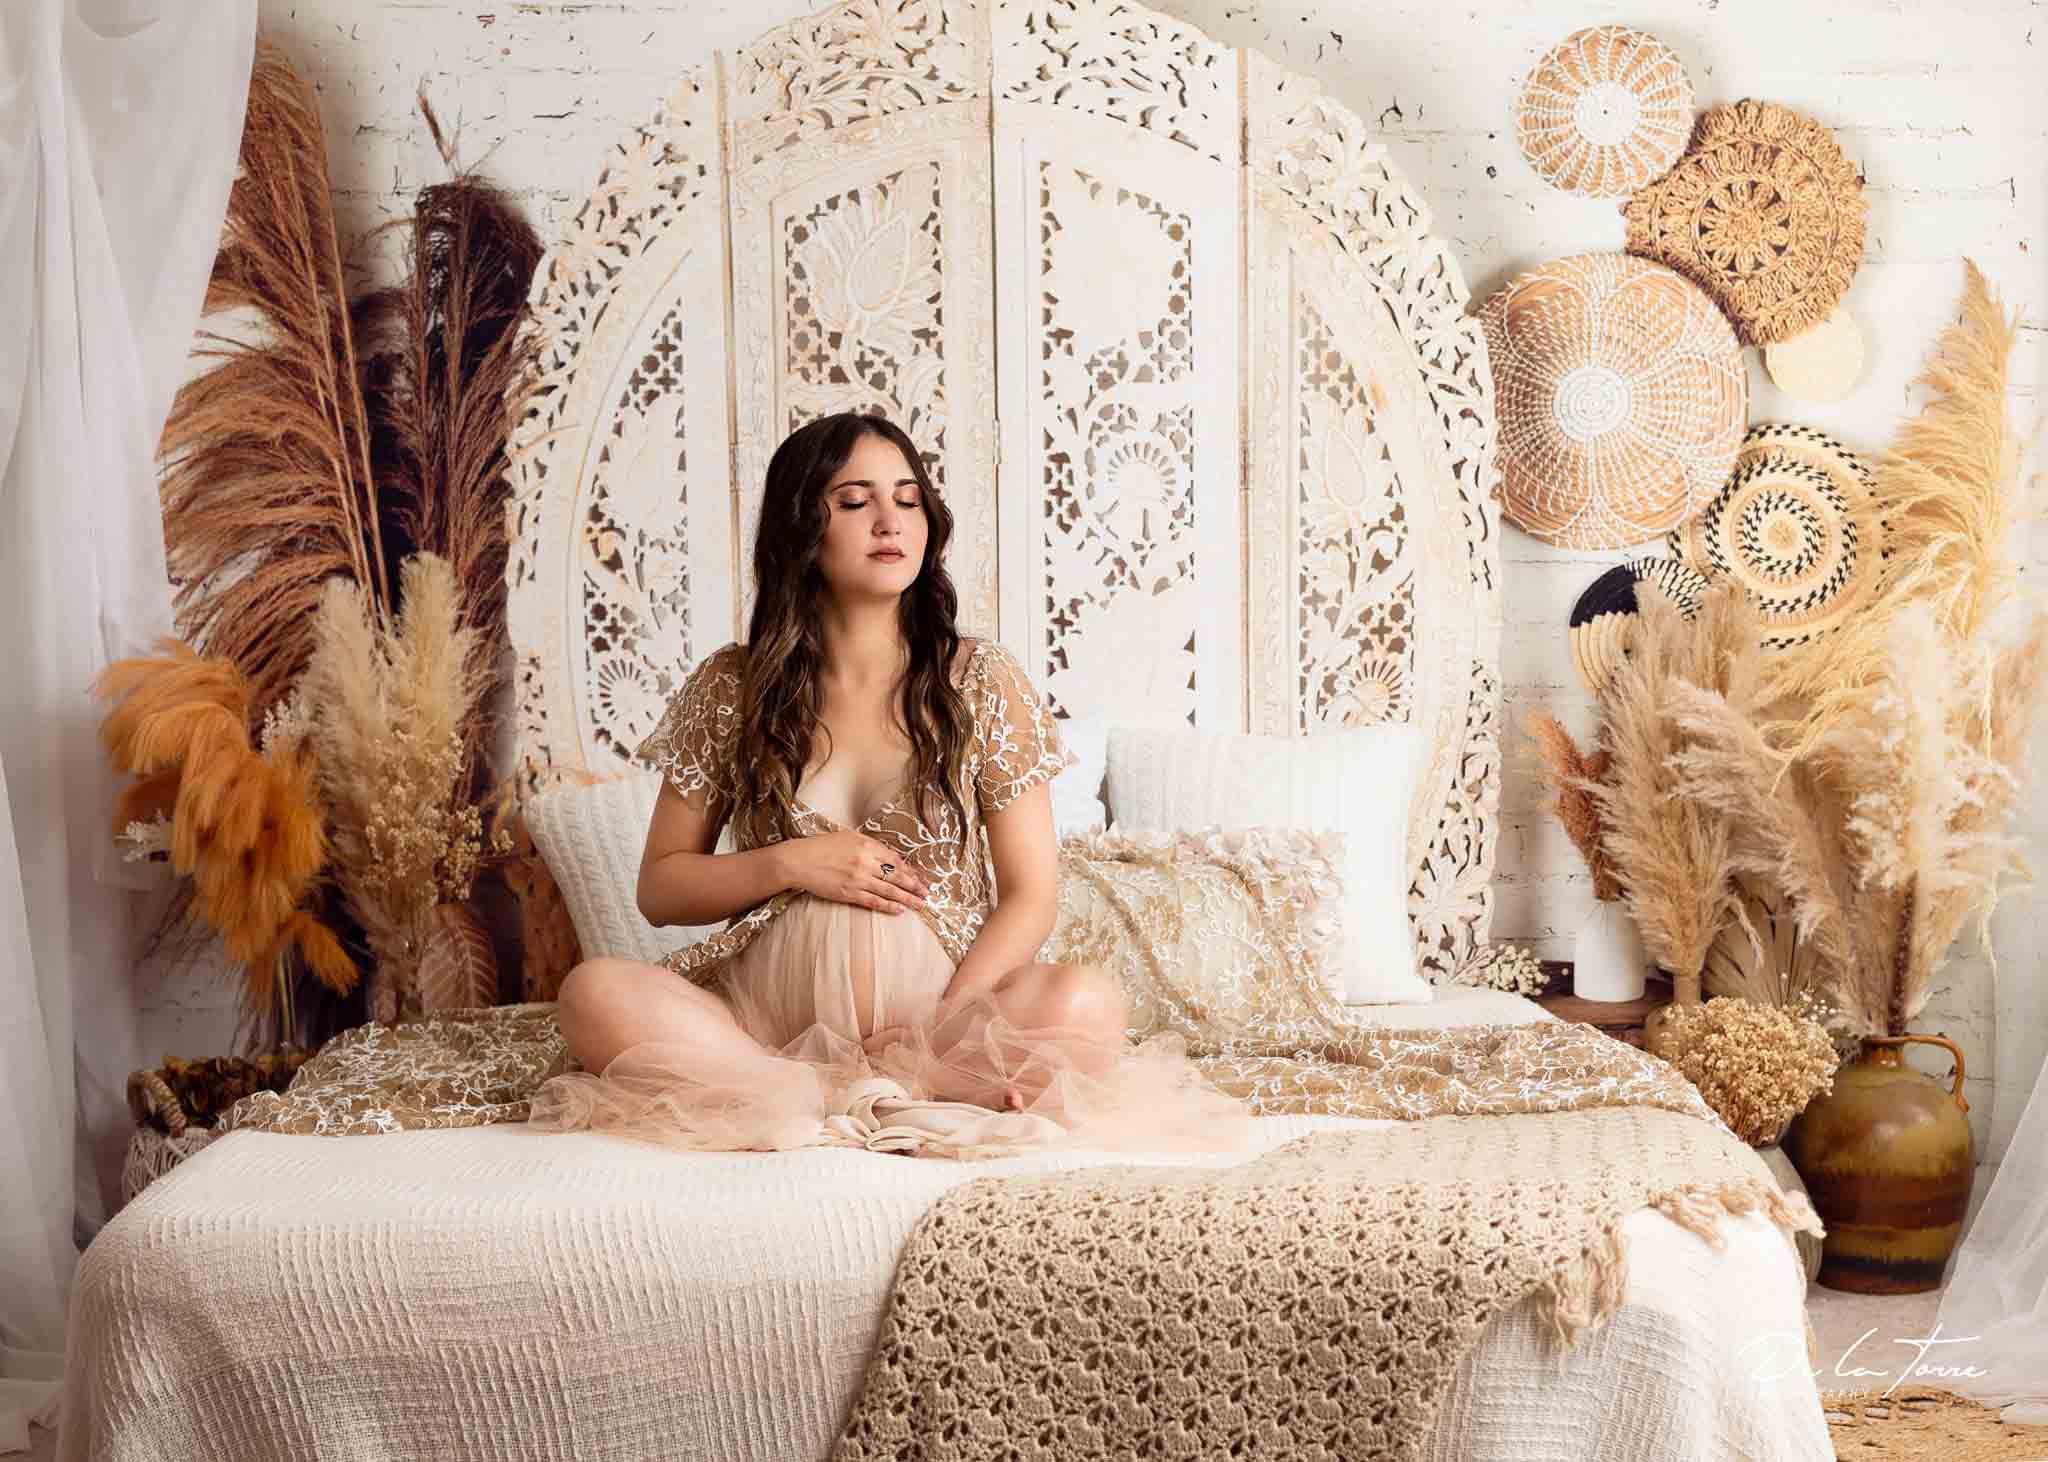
x,y
497,1293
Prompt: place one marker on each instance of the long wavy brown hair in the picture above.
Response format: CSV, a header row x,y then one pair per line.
x,y
781,684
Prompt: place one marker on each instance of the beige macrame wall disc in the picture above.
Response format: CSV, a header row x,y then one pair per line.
x,y
1798,527
1821,364
1622,398
1764,212
1604,111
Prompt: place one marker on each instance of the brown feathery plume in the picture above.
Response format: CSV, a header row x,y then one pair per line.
x,y
444,362
241,824
1569,775
1948,491
1673,854
267,488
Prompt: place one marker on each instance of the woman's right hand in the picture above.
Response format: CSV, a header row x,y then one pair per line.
x,y
846,866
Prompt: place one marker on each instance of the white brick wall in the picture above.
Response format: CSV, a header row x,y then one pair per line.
x,y
1946,118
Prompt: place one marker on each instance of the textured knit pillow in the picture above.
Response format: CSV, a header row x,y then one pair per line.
x,y
1358,782
1213,932
591,837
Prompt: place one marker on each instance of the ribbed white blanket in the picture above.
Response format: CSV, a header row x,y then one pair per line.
x,y
497,1292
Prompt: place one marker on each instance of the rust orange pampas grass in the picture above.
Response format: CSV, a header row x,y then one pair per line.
x,y
1570,774
242,824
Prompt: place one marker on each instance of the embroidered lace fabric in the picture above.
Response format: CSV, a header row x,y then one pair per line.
x,y
853,1040
1015,746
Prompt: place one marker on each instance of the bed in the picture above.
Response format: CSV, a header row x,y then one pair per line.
x,y
492,1293
1241,480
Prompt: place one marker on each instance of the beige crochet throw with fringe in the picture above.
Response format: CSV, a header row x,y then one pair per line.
x,y
1313,1302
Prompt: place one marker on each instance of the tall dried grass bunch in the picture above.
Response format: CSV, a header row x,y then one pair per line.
x,y
1825,822
383,703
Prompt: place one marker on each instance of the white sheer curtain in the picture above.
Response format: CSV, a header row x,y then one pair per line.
x,y
1994,1309
119,121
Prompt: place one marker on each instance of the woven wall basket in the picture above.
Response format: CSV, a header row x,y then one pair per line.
x,y
1797,525
1622,397
1764,212
1606,612
1605,111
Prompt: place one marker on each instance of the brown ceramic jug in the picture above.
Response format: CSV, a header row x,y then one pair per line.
x,y
1888,1159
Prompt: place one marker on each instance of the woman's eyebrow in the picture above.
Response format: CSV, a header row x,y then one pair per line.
x,y
868,482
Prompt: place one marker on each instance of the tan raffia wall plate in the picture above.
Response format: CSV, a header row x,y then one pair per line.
x,y
1764,212
1821,364
1622,397
1798,527
1606,110
1605,614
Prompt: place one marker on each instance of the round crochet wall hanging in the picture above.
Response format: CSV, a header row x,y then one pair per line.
x,y
1797,526
1606,110
1821,364
1602,617
1621,397
1763,211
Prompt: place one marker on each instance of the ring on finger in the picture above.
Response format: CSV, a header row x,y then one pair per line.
x,y
887,869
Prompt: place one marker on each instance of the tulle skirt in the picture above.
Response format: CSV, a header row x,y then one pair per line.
x,y
854,1045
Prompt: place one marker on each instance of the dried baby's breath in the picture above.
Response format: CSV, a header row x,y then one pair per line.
x,y
1757,1065
1507,967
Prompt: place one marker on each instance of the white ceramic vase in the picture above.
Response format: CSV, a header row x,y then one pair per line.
x,y
1609,962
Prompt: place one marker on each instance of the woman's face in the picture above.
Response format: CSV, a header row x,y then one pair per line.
x,y
872,504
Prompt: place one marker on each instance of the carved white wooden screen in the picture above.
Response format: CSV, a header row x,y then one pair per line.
x,y
1194,376
1118,283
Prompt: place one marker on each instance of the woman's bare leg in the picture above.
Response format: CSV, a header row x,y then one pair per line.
x,y
606,1005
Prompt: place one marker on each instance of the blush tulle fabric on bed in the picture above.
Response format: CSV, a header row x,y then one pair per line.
x,y
867,1053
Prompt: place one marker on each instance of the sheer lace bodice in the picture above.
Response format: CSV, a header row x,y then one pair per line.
x,y
1015,744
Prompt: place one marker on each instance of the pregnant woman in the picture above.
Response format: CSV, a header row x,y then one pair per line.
x,y
894,874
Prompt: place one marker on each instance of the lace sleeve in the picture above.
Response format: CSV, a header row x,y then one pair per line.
x,y
692,743
1018,733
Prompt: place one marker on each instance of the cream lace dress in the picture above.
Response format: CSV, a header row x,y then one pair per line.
x,y
866,1050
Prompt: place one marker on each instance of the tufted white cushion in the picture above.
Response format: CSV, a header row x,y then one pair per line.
x,y
1077,790
1358,782
591,838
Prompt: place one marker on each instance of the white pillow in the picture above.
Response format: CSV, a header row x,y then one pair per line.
x,y
1077,790
591,837
1358,782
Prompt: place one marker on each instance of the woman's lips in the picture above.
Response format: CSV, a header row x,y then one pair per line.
x,y
887,553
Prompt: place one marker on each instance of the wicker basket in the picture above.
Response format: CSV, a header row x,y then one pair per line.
x,y
176,1105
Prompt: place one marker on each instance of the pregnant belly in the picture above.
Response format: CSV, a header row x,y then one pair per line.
x,y
852,970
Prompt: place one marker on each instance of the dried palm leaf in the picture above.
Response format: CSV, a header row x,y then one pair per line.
x,y
458,968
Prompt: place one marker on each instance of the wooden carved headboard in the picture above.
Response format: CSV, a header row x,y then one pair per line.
x,y
1184,356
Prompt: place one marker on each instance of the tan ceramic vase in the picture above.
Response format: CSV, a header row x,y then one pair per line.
x,y
1887,1158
